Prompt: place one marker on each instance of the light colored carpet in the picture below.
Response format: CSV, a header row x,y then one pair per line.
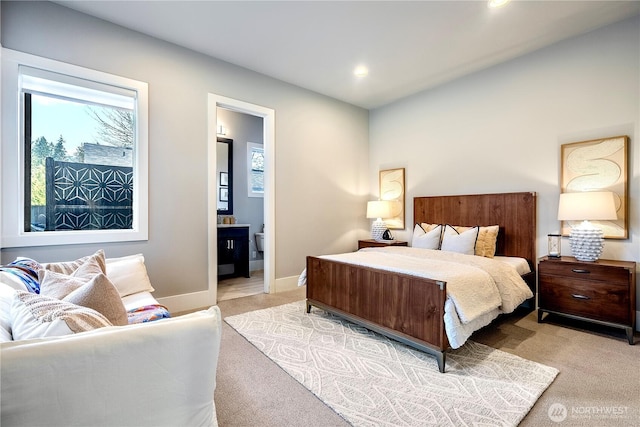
x,y
371,380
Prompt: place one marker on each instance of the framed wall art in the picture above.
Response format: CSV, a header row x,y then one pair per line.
x,y
392,188
599,165
224,194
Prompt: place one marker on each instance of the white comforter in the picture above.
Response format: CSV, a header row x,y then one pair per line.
x,y
478,288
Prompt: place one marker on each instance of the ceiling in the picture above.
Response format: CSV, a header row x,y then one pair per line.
x,y
407,46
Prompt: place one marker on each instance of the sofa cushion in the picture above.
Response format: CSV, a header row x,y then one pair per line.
x,y
129,274
39,316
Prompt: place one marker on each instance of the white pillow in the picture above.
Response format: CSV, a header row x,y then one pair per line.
x,y
426,240
464,243
6,299
12,281
38,316
129,275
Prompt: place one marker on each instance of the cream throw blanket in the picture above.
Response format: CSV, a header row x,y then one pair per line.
x,y
476,285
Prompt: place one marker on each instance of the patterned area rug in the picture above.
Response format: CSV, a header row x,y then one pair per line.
x,y
373,381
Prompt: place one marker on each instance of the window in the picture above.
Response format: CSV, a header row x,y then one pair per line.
x,y
79,154
255,167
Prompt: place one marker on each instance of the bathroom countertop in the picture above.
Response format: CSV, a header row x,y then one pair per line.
x,y
232,225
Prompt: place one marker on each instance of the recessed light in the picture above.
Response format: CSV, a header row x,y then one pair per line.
x,y
497,3
361,71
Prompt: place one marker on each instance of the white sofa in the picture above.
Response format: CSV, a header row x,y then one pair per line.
x,y
159,373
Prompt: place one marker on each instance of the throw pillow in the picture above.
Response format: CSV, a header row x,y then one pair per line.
x,y
38,316
102,296
426,239
69,267
12,280
58,285
463,243
486,241
487,238
129,275
6,299
26,270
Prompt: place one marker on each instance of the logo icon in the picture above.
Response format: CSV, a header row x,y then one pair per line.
x,y
557,412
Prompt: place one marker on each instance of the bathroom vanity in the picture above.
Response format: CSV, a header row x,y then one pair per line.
x,y
233,250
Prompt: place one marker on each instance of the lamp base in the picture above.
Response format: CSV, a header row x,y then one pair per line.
x,y
586,242
378,227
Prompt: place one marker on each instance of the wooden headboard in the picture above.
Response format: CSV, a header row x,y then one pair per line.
x,y
515,213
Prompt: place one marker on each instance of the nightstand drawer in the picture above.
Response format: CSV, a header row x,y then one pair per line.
x,y
585,271
601,301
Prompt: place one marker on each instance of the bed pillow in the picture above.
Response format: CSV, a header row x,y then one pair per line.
x,y
129,275
38,316
486,243
426,239
454,241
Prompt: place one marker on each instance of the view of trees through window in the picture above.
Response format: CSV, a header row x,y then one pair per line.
x,y
78,132
257,170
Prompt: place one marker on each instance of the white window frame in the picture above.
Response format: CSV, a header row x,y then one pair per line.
x,y
12,157
251,146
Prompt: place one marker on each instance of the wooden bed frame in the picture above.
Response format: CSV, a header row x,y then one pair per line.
x,y
410,309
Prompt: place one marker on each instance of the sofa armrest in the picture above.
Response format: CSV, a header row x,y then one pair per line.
x,y
161,373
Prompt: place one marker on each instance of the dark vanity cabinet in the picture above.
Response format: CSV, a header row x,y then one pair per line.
x,y
233,252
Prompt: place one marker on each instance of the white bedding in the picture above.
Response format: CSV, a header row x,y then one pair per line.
x,y
478,288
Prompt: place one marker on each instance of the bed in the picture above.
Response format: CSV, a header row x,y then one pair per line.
x,y
411,308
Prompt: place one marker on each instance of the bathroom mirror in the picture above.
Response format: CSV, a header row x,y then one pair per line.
x,y
224,187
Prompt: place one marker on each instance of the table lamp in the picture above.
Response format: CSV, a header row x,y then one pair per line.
x,y
379,209
586,239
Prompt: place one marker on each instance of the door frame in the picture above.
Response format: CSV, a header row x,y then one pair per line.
x,y
268,129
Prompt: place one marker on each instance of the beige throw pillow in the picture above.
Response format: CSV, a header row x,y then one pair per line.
x,y
102,296
55,283
70,267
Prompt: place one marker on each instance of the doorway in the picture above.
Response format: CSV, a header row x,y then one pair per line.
x,y
268,121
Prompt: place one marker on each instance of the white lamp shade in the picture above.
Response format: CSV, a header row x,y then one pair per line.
x,y
379,209
588,205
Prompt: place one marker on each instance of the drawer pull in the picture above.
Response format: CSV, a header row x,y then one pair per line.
x,y
580,271
578,296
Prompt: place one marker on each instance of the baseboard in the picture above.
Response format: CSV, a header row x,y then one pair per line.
x,y
256,265
187,302
285,284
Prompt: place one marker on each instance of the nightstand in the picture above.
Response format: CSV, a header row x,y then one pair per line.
x,y
371,243
602,292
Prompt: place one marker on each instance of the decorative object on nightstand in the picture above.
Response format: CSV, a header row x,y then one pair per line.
x,y
601,291
554,245
379,209
586,240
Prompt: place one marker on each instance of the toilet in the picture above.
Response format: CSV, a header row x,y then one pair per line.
x,y
260,242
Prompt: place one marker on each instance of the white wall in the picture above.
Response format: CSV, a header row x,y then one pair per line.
x,y
320,195
501,129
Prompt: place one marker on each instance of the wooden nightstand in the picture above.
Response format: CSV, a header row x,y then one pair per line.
x,y
371,243
602,292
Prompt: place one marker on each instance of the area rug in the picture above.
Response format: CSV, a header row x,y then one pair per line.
x,y
370,380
